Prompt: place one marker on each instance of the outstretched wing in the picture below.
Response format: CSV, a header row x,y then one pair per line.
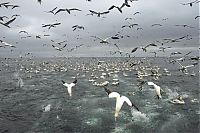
x,y
150,83
113,95
124,98
10,21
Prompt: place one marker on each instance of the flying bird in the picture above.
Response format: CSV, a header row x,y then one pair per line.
x,y
184,25
2,18
3,4
105,40
50,25
120,8
196,17
98,13
40,1
59,49
7,44
69,86
7,23
52,11
77,27
119,101
67,10
156,25
136,13
135,49
23,31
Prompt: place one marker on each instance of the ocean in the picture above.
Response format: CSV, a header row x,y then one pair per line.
x,y
34,100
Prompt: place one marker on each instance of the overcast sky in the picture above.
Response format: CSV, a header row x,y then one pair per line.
x,y
33,15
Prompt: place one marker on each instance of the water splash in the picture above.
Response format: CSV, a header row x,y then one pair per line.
x,y
20,82
138,116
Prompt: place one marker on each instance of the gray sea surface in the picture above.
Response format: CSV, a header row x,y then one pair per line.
x,y
34,100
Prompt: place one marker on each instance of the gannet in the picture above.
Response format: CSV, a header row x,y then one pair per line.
x,y
69,86
119,101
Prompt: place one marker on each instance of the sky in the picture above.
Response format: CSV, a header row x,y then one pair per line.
x,y
168,13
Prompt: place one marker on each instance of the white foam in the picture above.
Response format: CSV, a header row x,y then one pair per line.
x,y
138,116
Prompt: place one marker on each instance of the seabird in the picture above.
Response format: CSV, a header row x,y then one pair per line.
x,y
135,49
59,49
178,100
67,10
7,23
52,11
50,25
156,25
157,89
119,101
69,86
99,13
7,44
77,27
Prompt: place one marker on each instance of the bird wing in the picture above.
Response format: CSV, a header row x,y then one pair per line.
x,y
124,98
54,9
179,63
113,95
93,12
56,24
60,10
75,9
10,21
189,66
113,6
134,49
150,83
105,12
75,81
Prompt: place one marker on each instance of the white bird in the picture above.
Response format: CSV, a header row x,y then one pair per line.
x,y
157,89
184,68
178,100
7,44
119,101
47,108
69,86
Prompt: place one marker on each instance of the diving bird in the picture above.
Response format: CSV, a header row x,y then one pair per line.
x,y
98,13
7,23
69,86
157,89
119,101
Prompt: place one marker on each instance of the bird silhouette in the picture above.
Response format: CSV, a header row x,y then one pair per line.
x,y
7,23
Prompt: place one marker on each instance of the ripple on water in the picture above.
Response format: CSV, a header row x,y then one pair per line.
x,y
92,121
